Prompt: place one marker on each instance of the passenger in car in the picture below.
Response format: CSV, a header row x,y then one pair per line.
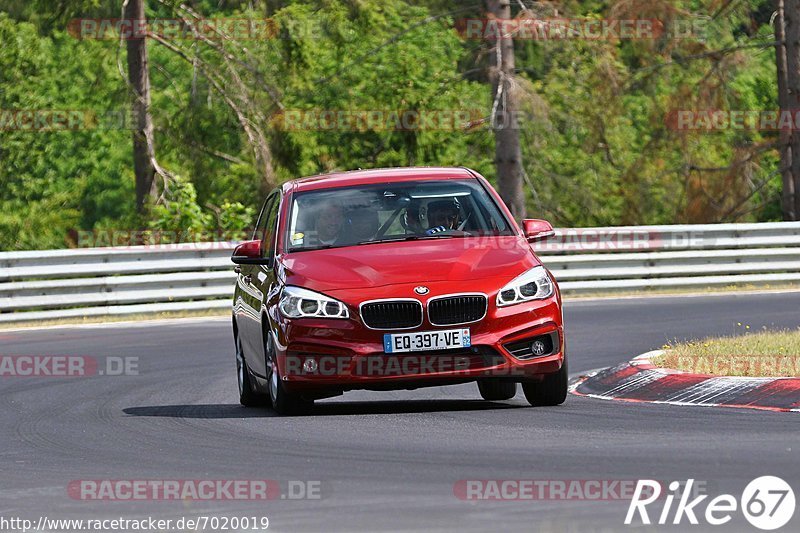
x,y
412,218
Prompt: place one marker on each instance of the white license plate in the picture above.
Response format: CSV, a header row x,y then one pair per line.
x,y
423,341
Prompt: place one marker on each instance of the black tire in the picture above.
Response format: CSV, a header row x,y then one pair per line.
x,y
247,395
495,390
283,402
552,390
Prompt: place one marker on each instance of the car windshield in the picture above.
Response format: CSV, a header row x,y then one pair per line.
x,y
377,213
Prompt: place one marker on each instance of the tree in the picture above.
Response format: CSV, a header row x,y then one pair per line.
x,y
144,165
508,154
787,179
791,99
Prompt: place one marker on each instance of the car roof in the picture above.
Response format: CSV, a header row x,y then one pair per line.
x,y
380,175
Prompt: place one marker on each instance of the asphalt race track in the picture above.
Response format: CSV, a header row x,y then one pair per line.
x,y
385,461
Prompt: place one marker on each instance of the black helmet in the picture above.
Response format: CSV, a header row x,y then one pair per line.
x,y
444,213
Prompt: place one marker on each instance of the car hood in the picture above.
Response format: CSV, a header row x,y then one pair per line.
x,y
375,265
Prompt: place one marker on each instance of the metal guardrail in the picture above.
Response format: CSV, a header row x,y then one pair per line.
x,y
74,283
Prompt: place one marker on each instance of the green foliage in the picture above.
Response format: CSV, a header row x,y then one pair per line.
x,y
361,65
600,150
180,211
179,217
54,182
235,220
596,146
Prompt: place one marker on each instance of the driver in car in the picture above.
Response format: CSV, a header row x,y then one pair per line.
x,y
362,224
443,215
329,223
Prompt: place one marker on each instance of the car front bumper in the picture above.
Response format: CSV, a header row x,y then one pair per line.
x,y
320,354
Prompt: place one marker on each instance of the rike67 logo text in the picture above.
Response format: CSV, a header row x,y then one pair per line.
x,y
767,502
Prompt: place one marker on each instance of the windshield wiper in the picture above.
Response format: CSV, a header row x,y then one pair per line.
x,y
411,238
318,247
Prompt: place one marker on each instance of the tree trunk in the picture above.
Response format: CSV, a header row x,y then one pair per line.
x,y
788,190
508,154
791,16
138,74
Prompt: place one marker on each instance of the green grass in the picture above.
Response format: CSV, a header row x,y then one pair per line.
x,y
762,354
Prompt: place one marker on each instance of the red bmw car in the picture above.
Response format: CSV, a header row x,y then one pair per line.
x,y
394,279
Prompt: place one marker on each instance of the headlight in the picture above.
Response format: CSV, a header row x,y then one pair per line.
x,y
303,303
535,284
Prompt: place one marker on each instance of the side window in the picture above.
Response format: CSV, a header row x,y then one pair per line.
x,y
262,218
270,226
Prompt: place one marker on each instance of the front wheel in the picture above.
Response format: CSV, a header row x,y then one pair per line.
x,y
495,390
283,401
247,396
552,390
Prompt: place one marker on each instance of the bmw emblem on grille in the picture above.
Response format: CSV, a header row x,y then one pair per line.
x,y
421,290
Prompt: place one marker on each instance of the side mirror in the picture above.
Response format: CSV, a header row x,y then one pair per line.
x,y
536,230
249,253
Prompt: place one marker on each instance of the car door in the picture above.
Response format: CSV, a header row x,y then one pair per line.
x,y
248,319
263,279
